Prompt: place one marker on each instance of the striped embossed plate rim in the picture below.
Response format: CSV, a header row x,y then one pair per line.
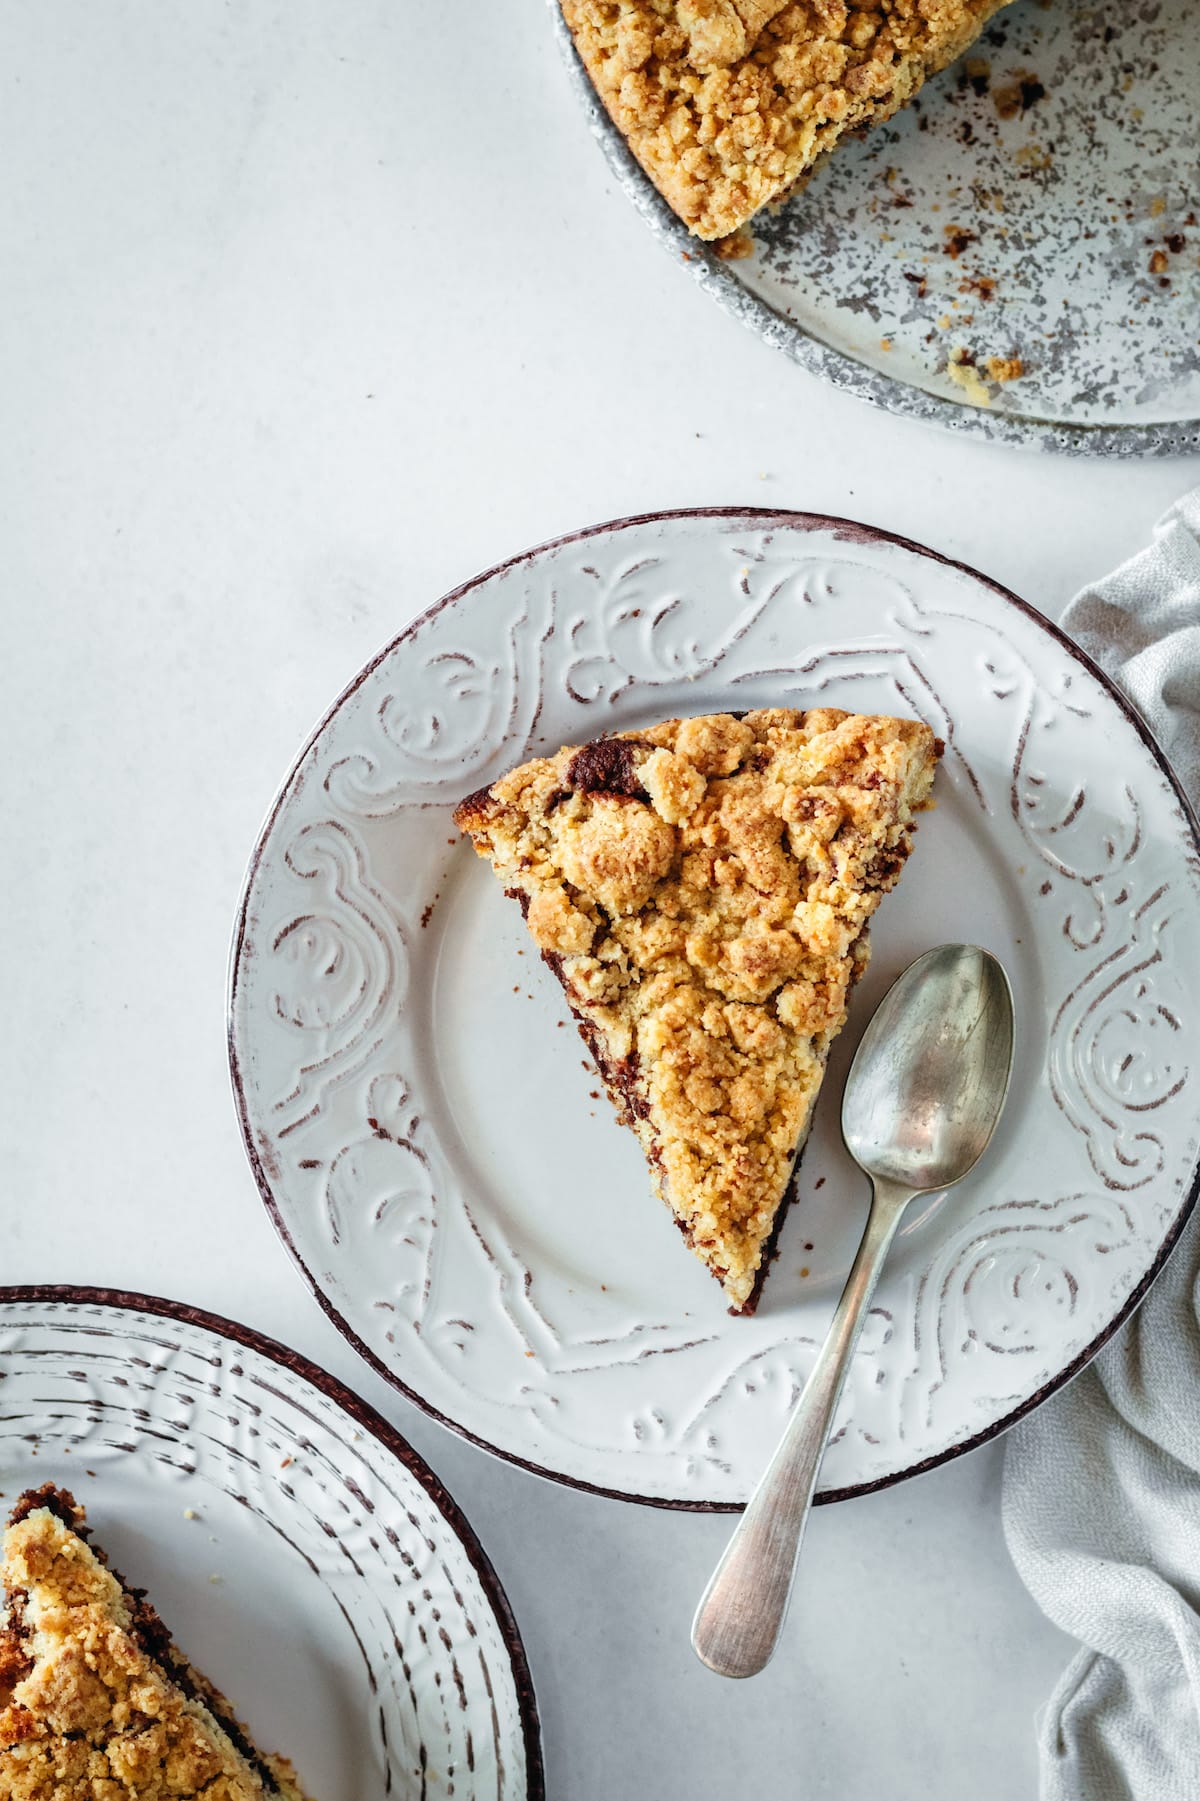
x,y
365,1417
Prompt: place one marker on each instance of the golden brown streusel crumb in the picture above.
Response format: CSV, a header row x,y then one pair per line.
x,y
702,889
961,368
727,104
88,1713
1004,368
735,248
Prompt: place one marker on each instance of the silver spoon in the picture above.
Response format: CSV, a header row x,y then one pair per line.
x,y
922,1099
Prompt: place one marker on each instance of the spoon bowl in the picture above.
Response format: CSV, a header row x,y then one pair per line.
x,y
929,1078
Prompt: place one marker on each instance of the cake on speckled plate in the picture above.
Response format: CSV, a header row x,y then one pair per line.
x,y
702,891
729,104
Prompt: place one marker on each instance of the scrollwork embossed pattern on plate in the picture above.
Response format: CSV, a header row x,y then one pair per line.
x,y
290,1518
372,1035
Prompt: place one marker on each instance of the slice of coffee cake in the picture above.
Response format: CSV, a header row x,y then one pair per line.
x,y
97,1700
729,104
702,891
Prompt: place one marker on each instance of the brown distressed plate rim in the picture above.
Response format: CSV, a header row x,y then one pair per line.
x,y
852,531
364,1415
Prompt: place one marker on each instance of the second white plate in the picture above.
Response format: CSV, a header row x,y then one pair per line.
x,y
428,1133
299,1550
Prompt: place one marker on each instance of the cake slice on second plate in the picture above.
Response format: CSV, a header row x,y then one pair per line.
x,y
702,891
95,1698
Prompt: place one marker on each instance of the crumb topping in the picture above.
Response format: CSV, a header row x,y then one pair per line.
x,y
1004,368
702,890
86,1709
727,104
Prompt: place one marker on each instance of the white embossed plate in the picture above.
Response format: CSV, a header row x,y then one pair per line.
x,y
302,1553
427,1133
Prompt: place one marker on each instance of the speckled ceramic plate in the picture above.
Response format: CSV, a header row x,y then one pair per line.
x,y
428,1134
1040,199
301,1552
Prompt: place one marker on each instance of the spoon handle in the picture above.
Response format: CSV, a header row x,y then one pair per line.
x,y
742,1611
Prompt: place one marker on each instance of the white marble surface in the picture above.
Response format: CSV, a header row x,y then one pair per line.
x,y
309,311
